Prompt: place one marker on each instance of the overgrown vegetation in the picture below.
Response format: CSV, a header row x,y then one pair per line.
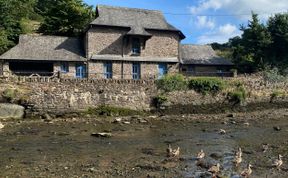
x,y
9,94
274,76
276,94
159,100
61,17
12,95
261,46
105,110
238,96
172,82
206,85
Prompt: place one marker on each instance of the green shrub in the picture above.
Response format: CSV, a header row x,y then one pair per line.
x,y
206,85
105,110
9,94
238,96
275,94
172,83
274,76
159,100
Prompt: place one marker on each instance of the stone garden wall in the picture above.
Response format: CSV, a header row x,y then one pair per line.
x,y
57,95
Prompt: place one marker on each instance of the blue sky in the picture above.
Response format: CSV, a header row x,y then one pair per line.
x,y
205,21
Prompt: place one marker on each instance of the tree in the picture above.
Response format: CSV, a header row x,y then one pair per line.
x,y
14,20
255,40
64,17
278,28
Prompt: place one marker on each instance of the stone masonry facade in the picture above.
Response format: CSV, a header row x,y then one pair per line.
x,y
107,41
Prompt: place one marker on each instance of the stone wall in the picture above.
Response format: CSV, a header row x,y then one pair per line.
x,y
49,95
123,70
108,41
1,67
46,94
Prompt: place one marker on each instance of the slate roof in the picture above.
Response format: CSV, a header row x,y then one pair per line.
x,y
201,55
138,20
52,48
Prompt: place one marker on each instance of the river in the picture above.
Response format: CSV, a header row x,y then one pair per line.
x,y
65,147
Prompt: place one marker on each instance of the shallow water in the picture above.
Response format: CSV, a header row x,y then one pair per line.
x,y
67,149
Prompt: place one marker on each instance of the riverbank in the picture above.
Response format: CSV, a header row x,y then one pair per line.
x,y
65,148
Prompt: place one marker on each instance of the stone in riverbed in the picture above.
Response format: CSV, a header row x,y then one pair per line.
x,y
276,128
11,111
102,134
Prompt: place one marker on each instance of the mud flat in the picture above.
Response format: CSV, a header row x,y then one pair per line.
x,y
137,147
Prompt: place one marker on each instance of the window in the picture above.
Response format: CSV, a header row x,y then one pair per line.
x,y
136,71
108,70
64,66
162,69
191,69
136,46
80,70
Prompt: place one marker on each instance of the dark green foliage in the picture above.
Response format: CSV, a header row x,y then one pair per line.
x,y
172,82
64,17
159,100
206,85
106,110
274,76
278,28
13,17
260,46
61,17
9,94
238,96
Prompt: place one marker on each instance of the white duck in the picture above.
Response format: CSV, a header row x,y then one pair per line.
x,y
201,154
247,172
278,162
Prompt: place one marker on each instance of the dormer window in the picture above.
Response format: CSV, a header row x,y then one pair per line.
x,y
136,46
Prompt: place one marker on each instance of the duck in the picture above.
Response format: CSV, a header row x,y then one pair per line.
x,y
214,169
175,152
239,152
201,154
172,152
247,172
265,147
169,151
237,160
222,131
278,162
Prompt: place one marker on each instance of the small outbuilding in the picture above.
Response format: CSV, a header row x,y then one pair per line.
x,y
45,56
202,60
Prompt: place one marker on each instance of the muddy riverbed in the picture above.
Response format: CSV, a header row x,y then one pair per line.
x,y
137,148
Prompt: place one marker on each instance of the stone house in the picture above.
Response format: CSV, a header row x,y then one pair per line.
x,y
121,43
44,55
202,60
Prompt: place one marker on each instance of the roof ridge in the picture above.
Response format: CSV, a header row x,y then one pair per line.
x,y
50,36
128,8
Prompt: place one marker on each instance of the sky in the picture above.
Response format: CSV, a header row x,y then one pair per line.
x,y
205,21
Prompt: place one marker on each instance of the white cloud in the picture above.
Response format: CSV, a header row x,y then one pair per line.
x,y
220,35
205,22
264,7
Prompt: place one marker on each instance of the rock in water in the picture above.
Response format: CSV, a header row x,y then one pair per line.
x,y
276,128
102,134
11,111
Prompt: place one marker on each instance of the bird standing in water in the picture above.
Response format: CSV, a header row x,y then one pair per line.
x,y
247,172
278,162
